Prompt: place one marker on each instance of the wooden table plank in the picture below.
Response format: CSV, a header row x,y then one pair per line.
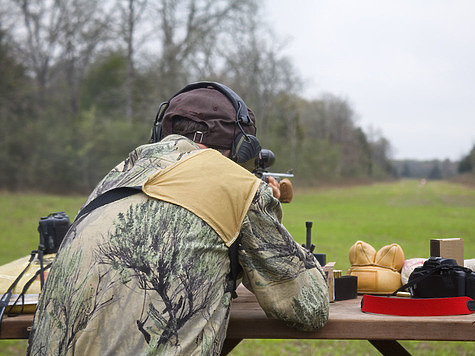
x,y
346,321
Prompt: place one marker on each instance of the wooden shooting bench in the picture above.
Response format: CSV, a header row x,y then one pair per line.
x,y
346,322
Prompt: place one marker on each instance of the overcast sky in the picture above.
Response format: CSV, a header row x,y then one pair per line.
x,y
407,67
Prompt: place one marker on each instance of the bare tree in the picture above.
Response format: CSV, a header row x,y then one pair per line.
x,y
130,16
38,40
60,36
189,34
84,30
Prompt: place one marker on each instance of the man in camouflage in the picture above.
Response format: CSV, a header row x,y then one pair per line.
x,y
149,274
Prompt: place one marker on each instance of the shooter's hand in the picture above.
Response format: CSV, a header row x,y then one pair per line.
x,y
286,191
275,185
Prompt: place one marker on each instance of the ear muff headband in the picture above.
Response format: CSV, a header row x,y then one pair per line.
x,y
157,124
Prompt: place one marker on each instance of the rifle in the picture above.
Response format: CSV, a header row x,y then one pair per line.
x,y
264,160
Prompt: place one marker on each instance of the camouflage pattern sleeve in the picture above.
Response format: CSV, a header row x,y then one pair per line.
x,y
287,280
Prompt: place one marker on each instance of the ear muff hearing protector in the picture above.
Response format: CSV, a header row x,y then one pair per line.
x,y
245,147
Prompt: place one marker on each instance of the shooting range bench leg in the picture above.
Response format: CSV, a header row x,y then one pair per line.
x,y
229,345
389,347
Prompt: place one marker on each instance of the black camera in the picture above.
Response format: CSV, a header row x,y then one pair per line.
x,y
441,277
52,229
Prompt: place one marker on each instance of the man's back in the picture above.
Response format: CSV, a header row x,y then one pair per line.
x,y
138,274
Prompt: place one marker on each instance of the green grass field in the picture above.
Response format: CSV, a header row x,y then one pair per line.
x,y
403,212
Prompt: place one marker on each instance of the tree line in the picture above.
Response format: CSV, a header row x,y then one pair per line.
x,y
430,169
467,163
435,169
81,80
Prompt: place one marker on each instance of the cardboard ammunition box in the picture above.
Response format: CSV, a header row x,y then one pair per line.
x,y
328,269
448,248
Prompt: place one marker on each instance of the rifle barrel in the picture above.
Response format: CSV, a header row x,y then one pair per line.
x,y
277,175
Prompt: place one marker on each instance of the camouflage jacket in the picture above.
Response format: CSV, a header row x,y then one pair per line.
x,y
142,276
